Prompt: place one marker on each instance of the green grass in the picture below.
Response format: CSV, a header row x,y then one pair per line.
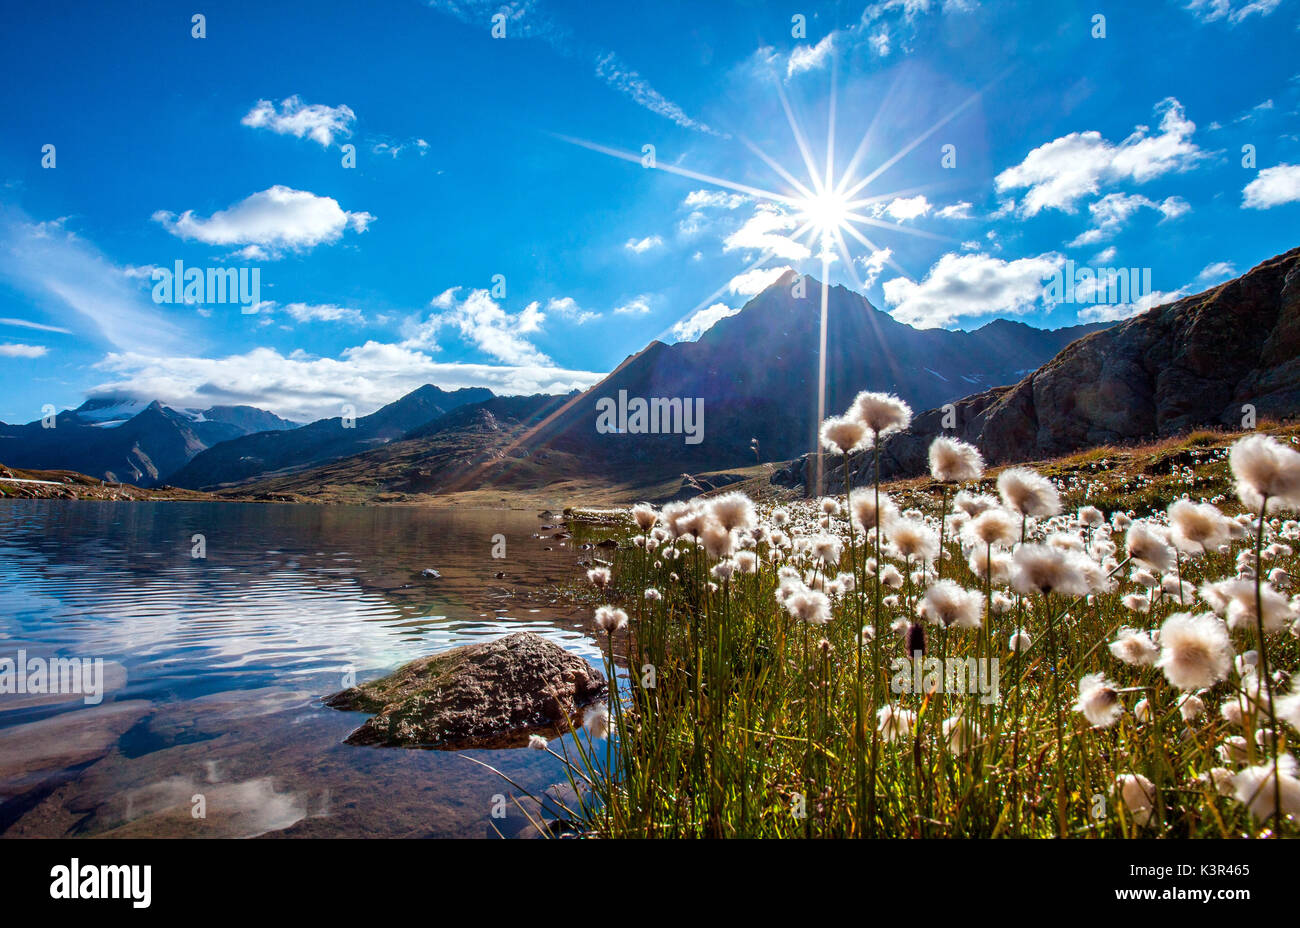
x,y
754,717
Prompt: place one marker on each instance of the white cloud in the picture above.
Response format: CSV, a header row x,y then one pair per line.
x,y
566,307
1208,11
810,57
970,285
1058,174
762,232
325,312
641,246
1215,273
305,387
22,351
481,321
393,148
1112,212
756,281
701,321
905,208
1105,256
700,199
314,121
959,210
1116,312
1273,187
637,306
873,264
269,222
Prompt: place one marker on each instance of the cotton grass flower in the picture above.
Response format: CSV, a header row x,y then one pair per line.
x,y
1028,493
1235,601
1263,789
973,503
1191,707
610,620
960,733
1219,779
734,511
653,595
1136,602
644,516
1020,641
1040,569
994,567
811,607
599,577
1195,651
1134,647
843,435
894,723
953,461
1138,794
994,526
1148,544
1195,528
597,721
881,413
866,515
1099,701
1091,517
537,742
1264,467
911,539
948,604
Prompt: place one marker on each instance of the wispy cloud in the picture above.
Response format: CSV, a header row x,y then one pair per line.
x,y
25,324
642,245
1233,11
526,19
67,275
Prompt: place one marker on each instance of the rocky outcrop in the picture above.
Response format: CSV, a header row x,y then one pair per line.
x,y
1192,363
492,694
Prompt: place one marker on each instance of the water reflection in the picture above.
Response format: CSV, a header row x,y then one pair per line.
x,y
225,659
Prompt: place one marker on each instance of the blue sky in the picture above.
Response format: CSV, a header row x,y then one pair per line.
x,y
521,156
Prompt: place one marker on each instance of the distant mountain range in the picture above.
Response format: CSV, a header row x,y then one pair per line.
x,y
125,440
265,453
757,375
1018,392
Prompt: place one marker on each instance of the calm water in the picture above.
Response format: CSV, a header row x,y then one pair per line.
x,y
215,666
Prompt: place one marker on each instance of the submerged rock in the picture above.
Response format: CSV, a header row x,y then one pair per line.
x,y
430,573
492,694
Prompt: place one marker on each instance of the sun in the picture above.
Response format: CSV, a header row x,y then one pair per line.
x,y
827,214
